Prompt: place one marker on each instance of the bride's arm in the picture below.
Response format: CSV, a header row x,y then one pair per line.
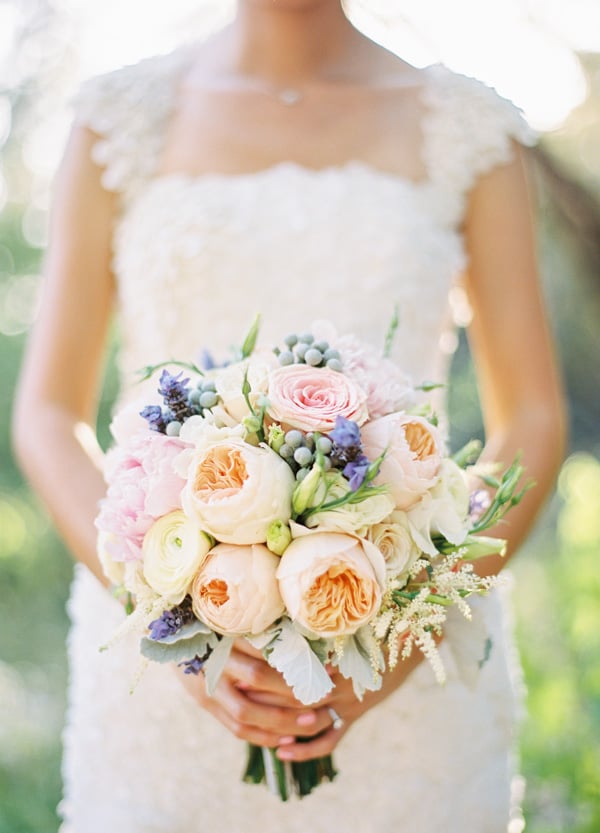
x,y
54,416
522,400
520,393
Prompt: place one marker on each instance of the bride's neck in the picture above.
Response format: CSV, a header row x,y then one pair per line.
x,y
291,39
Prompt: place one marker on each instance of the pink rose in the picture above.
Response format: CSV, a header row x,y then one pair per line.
x,y
387,388
310,398
142,486
413,455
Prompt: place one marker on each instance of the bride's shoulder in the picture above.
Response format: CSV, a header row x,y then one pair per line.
x,y
474,106
127,109
150,78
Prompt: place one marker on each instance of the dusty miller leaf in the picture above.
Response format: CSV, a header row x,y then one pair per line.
x,y
214,665
355,662
291,654
179,651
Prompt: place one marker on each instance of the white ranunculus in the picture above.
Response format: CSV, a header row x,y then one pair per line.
x,y
173,551
236,591
443,510
234,491
393,539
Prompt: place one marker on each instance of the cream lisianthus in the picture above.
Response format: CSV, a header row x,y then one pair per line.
x,y
236,591
234,491
352,518
173,551
443,510
331,583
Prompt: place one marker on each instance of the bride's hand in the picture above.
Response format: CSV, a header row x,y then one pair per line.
x,y
344,705
254,702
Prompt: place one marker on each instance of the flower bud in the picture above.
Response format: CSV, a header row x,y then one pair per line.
x,y
306,490
278,537
252,424
276,437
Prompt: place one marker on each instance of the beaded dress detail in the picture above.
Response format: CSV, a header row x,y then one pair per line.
x,y
194,258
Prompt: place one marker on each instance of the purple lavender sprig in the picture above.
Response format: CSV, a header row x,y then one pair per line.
x,y
347,452
175,392
171,621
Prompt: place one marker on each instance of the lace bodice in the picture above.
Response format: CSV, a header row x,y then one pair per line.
x,y
197,256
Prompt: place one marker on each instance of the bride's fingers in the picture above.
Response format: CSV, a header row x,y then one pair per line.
x,y
318,747
247,713
255,673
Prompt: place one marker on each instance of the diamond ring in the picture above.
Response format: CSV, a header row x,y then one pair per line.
x,y
337,721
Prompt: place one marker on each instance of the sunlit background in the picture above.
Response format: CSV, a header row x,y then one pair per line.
x,y
545,55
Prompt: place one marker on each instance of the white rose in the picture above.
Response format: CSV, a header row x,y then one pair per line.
x,y
395,542
236,591
444,510
229,381
234,491
173,551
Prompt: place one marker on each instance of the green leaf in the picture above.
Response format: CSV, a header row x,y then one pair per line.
x,y
391,332
468,454
250,340
292,655
146,372
427,387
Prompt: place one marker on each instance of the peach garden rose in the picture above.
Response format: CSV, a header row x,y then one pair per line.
x,y
331,583
413,456
235,491
236,592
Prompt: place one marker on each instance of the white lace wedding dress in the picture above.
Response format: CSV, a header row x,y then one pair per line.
x,y
195,258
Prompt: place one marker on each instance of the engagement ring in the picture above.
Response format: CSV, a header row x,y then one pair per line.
x,y
338,722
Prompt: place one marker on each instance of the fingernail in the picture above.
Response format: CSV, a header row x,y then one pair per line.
x,y
306,719
285,754
242,686
286,739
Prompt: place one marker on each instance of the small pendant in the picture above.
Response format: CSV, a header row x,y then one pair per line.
x,y
289,96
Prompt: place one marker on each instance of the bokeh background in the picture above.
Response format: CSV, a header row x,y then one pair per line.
x,y
545,55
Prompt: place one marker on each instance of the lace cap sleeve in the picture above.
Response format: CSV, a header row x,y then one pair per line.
x,y
128,110
469,131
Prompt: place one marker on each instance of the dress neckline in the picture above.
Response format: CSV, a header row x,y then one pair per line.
x,y
295,167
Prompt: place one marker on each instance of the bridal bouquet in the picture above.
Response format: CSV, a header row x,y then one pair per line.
x,y
301,498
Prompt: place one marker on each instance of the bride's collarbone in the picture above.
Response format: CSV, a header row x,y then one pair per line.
x,y
247,132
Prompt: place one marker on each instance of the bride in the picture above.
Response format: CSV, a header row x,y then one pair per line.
x,y
291,166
